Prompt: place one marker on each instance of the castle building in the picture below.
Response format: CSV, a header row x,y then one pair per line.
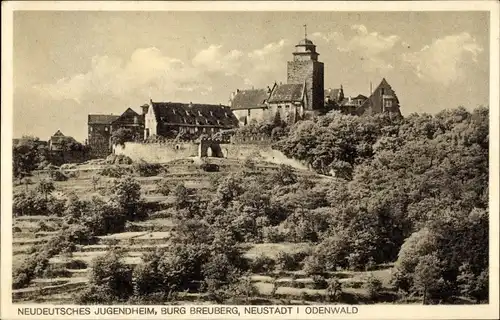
x,y
102,126
58,141
257,105
167,119
305,68
382,100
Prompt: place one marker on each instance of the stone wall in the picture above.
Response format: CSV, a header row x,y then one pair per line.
x,y
165,152
158,152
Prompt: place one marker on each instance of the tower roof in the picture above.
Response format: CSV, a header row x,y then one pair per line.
x,y
305,42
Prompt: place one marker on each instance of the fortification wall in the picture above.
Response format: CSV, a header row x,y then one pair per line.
x,y
165,152
158,152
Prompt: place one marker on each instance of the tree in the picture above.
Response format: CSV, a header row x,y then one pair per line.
x,y
45,187
427,276
285,175
122,135
27,154
110,279
95,181
127,195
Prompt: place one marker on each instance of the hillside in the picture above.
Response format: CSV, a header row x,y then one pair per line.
x,y
404,219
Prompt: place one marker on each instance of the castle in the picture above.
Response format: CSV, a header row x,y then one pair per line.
x,y
304,94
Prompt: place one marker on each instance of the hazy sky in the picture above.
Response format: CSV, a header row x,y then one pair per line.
x,y
69,64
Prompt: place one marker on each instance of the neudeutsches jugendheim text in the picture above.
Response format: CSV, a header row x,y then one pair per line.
x,y
232,311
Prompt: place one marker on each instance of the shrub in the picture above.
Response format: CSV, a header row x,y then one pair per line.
x,y
76,264
373,286
262,264
43,227
29,204
57,175
209,167
319,282
110,280
113,171
144,169
313,265
56,271
289,262
163,187
272,234
249,164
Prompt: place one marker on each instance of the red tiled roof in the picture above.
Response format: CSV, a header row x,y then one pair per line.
x,y
287,93
102,118
249,99
194,114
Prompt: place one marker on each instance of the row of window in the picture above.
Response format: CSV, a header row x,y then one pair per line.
x,y
279,107
105,129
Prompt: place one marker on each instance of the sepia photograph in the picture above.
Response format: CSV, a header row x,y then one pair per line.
x,y
327,159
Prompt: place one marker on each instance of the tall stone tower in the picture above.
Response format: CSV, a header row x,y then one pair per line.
x,y
305,67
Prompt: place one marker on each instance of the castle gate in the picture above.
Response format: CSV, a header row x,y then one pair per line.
x,y
210,148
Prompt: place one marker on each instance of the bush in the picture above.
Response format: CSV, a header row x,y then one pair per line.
x,y
41,226
319,282
313,265
209,167
76,264
289,262
118,159
113,171
56,271
29,203
163,187
262,264
57,175
144,169
373,286
110,280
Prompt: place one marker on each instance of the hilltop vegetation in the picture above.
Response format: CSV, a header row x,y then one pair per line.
x,y
411,194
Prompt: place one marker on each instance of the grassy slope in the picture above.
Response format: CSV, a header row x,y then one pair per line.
x,y
154,233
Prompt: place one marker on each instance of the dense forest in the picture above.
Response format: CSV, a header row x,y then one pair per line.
x,y
411,191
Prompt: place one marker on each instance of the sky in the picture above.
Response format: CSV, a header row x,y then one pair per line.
x,y
68,64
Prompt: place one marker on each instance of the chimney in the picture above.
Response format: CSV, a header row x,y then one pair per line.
x,y
268,89
145,108
371,91
190,104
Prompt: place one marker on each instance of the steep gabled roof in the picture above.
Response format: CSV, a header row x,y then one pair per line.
x,y
360,97
126,115
248,99
287,93
102,118
58,134
188,114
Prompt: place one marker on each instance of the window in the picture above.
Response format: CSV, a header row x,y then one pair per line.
x,y
249,112
387,103
382,91
91,129
279,107
106,129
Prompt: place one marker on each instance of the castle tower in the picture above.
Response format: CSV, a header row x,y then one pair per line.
x,y
306,67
